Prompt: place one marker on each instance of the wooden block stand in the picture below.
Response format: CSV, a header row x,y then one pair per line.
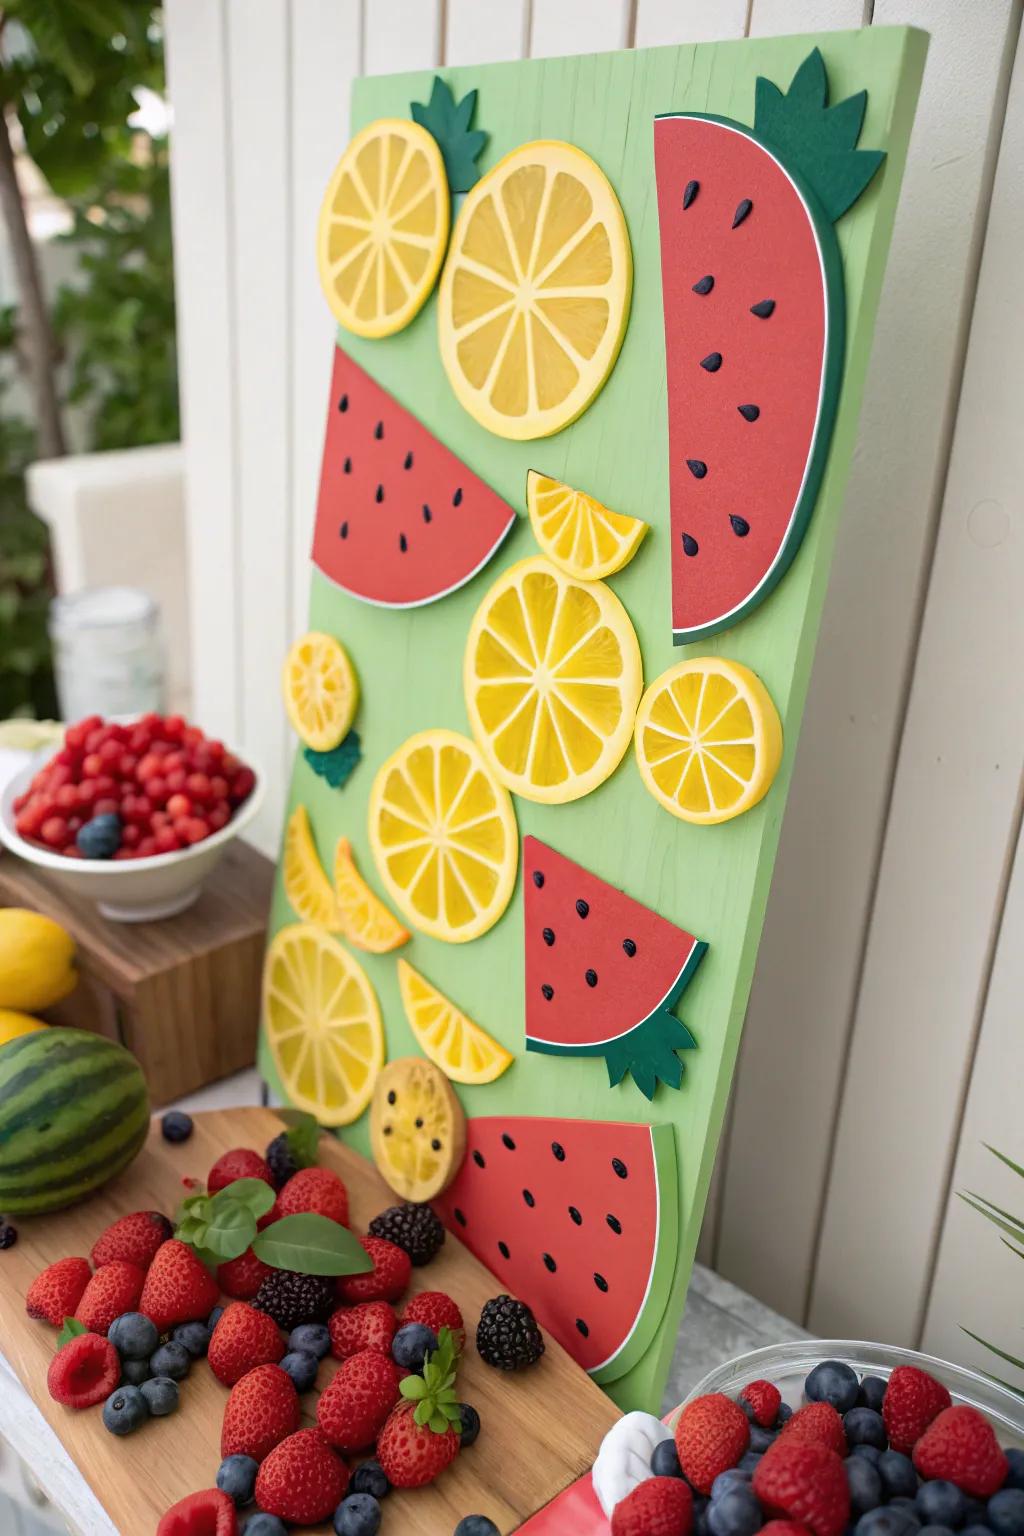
x,y
182,994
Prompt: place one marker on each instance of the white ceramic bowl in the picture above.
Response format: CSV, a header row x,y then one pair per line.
x,y
128,890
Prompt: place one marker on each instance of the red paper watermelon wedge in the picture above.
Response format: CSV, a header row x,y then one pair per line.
x,y
400,521
752,288
579,1219
602,972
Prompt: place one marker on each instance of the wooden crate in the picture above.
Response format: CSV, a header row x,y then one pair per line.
x,y
181,994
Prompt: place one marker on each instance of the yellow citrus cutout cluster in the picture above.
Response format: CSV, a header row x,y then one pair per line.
x,y
417,1129
383,227
322,1024
362,917
708,740
306,886
320,691
581,536
464,1052
534,296
552,676
444,836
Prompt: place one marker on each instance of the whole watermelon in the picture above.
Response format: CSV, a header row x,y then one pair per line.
x,y
74,1111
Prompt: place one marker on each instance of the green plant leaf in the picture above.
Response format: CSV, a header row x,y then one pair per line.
x,y
1016,1167
422,1412
338,765
303,1138
995,1350
312,1245
71,1330
995,1214
414,1388
255,1195
1012,1247
230,1232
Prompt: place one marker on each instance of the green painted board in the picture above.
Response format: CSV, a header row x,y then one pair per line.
x,y
712,881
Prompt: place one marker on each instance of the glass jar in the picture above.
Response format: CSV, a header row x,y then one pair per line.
x,y
107,652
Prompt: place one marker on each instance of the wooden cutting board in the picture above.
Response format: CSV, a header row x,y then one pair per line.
x,y
541,1428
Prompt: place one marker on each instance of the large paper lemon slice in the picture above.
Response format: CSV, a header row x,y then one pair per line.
x,y
534,295
383,227
320,690
464,1052
580,535
322,1024
708,739
363,918
417,1129
444,837
305,884
552,674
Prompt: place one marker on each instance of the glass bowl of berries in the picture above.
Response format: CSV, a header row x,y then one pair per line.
x,y
132,814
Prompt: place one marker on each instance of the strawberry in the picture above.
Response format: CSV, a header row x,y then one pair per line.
x,y
371,1325
302,1480
784,1528
764,1400
412,1454
178,1288
315,1189
262,1409
133,1239
711,1436
239,1163
114,1289
659,1506
352,1410
84,1372
242,1277
805,1482
912,1400
210,1513
243,1339
55,1293
388,1278
960,1446
435,1310
819,1422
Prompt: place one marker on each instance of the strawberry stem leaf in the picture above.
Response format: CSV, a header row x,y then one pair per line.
x,y
71,1330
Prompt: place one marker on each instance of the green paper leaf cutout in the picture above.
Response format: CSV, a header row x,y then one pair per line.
x,y
338,765
255,1195
71,1330
448,122
312,1245
230,1232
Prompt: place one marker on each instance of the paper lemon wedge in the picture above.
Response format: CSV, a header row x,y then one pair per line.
x,y
306,886
708,739
322,1024
464,1052
320,690
581,536
552,676
443,835
363,918
535,292
383,227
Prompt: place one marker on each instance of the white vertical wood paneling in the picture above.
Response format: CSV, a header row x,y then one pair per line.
x,y
579,26
805,986
401,34
481,34
778,18
951,833
661,22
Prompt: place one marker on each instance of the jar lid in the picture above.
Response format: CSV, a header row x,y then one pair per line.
x,y
101,608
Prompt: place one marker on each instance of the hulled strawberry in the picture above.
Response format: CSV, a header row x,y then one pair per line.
x,y
239,1163
421,1435
241,1278
353,1408
262,1410
387,1279
56,1291
209,1513
805,1482
132,1239
178,1288
370,1325
912,1400
302,1480
711,1436
114,1289
84,1371
315,1189
243,1339
659,1506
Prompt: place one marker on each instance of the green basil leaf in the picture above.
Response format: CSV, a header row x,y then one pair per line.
x,y
414,1388
71,1330
212,1260
254,1194
312,1245
195,1208
231,1232
303,1140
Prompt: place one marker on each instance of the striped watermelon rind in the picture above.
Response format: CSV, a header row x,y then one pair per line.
x,y
74,1112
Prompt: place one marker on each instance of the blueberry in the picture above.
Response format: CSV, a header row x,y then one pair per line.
x,y
942,1503
975,1530
470,1421
761,1439
868,1452
176,1126
134,1372
133,1336
865,1485
833,1382
886,1521
748,1408
864,1426
302,1368
476,1525
1006,1512
311,1339
726,1480
161,1396
264,1525
410,1344
1016,1474
211,1323
898,1475
125,1410
358,1515
975,1512
237,1478
907,1507
171,1360
935,1530
194,1336
872,1391
785,1412
370,1478
665,1460
100,838
736,1513
748,1462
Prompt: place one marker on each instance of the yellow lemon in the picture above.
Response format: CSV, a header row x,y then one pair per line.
x,y
363,918
37,960
14,1024
417,1129
708,739
464,1052
305,884
320,691
580,535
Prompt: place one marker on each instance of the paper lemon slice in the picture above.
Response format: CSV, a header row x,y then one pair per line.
x,y
363,918
305,884
322,1024
417,1129
464,1052
383,227
580,535
708,739
534,296
320,691
443,835
552,675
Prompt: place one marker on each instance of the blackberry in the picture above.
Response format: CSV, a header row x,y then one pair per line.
x,y
412,1227
281,1160
290,1298
8,1235
507,1335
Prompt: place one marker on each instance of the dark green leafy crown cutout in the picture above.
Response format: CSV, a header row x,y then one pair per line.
x,y
433,1391
448,121
336,766
814,139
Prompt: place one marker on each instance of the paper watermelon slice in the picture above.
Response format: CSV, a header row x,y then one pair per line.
x,y
400,520
602,972
579,1219
752,287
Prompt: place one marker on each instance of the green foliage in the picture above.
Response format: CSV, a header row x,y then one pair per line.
x,y
448,121
312,1245
1013,1228
433,1391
